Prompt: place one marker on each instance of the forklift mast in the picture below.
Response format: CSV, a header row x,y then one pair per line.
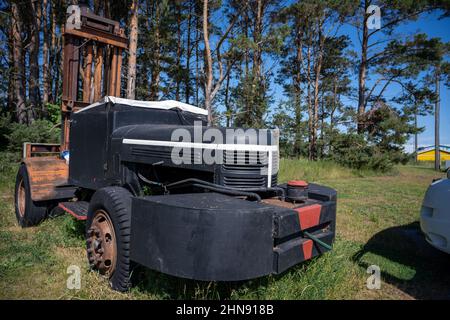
x,y
92,62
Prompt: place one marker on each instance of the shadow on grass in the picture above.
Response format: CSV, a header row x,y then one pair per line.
x,y
408,262
164,286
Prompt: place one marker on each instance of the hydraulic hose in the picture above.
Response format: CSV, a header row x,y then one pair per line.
x,y
195,180
315,239
280,191
229,192
213,187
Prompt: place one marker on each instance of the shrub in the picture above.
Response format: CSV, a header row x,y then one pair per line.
x,y
16,134
352,150
5,129
53,113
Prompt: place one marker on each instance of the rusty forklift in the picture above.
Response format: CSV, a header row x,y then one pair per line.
x,y
228,220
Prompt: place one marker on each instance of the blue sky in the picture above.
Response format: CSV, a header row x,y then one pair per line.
x,y
430,25
433,27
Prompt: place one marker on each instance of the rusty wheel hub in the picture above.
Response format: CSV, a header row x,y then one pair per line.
x,y
21,198
101,243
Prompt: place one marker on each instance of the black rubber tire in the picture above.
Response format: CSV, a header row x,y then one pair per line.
x,y
116,201
34,212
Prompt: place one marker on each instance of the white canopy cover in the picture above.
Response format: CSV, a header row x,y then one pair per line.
x,y
164,104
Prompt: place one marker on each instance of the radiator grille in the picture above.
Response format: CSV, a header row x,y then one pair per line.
x,y
248,169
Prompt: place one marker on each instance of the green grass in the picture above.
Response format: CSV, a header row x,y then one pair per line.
x,y
316,171
376,224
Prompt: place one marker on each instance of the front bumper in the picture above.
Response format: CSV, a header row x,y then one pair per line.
x,y
436,230
214,237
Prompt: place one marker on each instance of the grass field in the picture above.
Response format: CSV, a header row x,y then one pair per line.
x,y
377,224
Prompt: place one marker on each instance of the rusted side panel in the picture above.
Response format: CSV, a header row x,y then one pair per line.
x,y
46,175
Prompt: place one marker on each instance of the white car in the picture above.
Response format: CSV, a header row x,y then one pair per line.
x,y
435,214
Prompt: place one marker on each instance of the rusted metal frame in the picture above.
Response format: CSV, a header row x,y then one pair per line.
x,y
105,33
72,61
70,72
99,22
70,85
99,36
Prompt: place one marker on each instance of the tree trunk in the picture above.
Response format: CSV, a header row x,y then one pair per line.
x,y
197,60
45,55
297,89
19,90
309,102
257,35
52,57
227,101
333,110
415,137
208,65
34,45
318,68
156,72
437,151
10,106
246,52
59,65
188,56
178,77
131,82
363,72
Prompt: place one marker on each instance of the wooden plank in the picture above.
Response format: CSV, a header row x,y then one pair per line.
x,y
87,74
46,173
118,71
98,74
113,74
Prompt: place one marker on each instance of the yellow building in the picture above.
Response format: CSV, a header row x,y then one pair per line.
x,y
427,154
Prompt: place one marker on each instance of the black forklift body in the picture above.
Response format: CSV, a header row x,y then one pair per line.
x,y
215,237
112,138
199,222
117,168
